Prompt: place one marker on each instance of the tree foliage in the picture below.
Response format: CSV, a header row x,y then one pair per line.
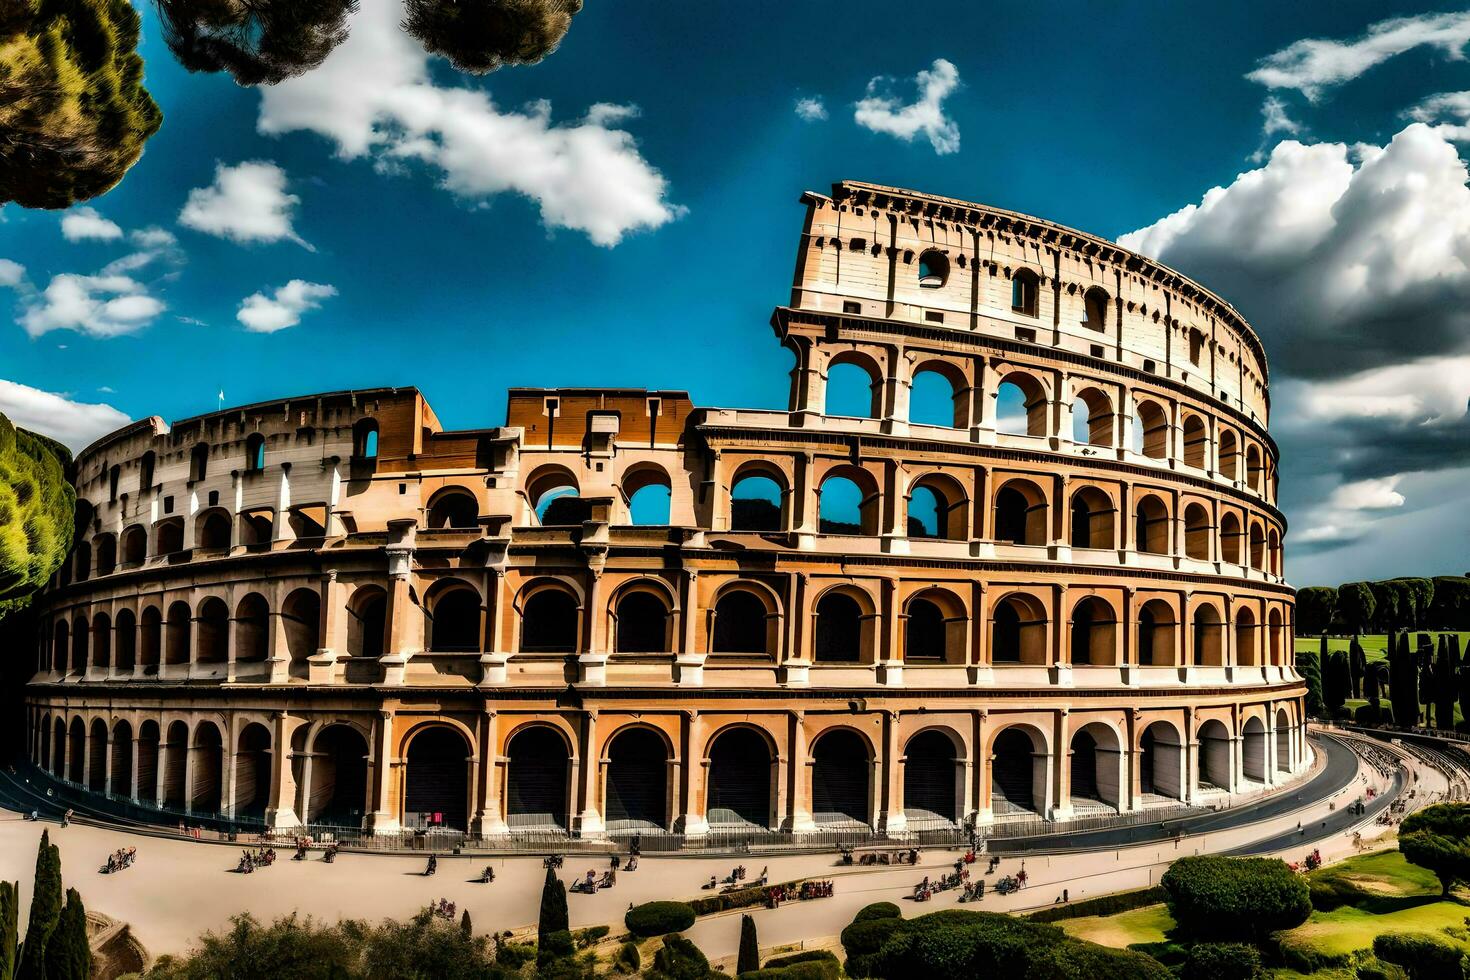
x,y
9,927
479,36
73,110
1438,838
553,938
45,909
658,918
37,507
1422,955
259,42
1356,604
68,953
1309,666
749,957
1221,961
1235,899
1315,608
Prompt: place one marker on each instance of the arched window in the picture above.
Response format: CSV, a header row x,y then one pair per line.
x,y
852,391
549,622
455,620
254,453
1208,650
1092,418
1025,292
1156,634
1018,631
649,496
102,641
134,546
741,624
933,400
1094,633
846,507
106,554
257,527
642,623
79,636
1253,468
1151,526
1245,638
1229,455
555,498
365,439
1258,547
199,462
1273,552
933,269
756,504
150,638
1021,406
168,536
1196,347
934,629
212,530
301,613
1151,431
1230,539
1196,442
214,632
1021,514
1197,532
126,631
252,633
453,507
928,511
842,630
1095,303
367,622
176,634
145,472
1092,519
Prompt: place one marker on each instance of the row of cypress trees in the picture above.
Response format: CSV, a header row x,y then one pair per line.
x,y
56,945
1422,685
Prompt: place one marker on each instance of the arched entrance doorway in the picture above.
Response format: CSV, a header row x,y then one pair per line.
x,y
931,788
537,774
739,779
637,781
1095,763
1159,765
1016,755
338,793
436,791
252,771
841,778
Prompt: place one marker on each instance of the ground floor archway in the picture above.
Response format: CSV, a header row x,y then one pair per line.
x,y
842,771
436,783
740,769
537,779
932,794
637,781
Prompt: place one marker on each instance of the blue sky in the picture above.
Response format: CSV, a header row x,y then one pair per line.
x,y
655,255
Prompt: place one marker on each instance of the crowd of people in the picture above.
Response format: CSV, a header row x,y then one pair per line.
x,y
255,857
791,892
119,859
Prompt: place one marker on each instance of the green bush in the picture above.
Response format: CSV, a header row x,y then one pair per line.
x,y
589,936
628,960
1074,960
862,939
1333,893
1303,956
555,945
1222,961
658,918
513,955
1222,898
1102,905
805,956
1423,956
813,964
878,910
679,959
1438,838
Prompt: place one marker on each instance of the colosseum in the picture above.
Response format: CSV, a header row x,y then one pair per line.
x,y
1029,570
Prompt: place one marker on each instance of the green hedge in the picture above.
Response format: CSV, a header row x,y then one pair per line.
x,y
1303,957
658,918
1423,956
1221,961
816,964
1333,893
1102,905
878,910
1222,898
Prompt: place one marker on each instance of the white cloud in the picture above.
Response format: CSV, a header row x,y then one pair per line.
x,y
153,237
86,224
1379,494
1432,390
811,108
883,112
374,96
74,424
100,306
1313,65
11,273
247,203
267,314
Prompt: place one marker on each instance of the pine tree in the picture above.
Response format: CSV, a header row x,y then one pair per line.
x,y
553,938
45,911
465,926
481,37
68,954
750,950
9,927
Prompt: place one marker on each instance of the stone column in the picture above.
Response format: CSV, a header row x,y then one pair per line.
x,y
488,820
892,819
589,822
382,820
280,810
799,819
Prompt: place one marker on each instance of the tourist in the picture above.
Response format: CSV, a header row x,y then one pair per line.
x,y
66,817
433,865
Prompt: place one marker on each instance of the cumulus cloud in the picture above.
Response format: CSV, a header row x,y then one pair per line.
x,y
87,224
12,273
74,424
884,112
374,97
100,306
267,314
248,203
1313,65
811,108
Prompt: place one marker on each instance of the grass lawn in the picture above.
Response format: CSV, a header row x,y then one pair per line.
x,y
1375,645
1384,873
1343,930
1145,925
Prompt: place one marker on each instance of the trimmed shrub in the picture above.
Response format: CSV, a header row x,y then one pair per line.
x,y
1222,961
1333,893
878,910
1423,956
812,964
1438,838
862,939
749,959
590,936
658,918
679,959
1102,905
628,960
1222,898
1074,960
1303,957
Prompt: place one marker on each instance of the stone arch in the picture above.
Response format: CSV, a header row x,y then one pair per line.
x,y
97,756
452,508
1253,761
742,772
1094,633
205,776
1097,772
1093,425
1215,762
146,790
1206,641
934,628
1092,519
1018,769
550,617
637,779
1023,390
134,546
1283,740
555,496
848,501
436,785
102,641
1095,304
178,630
168,536
214,631
1229,454
121,783
58,747
301,616
252,771
252,629
1258,547
1157,628
337,795
1151,429
758,494
212,530
1273,552
647,494
1018,630
1161,761
454,609
1253,467
538,768
80,637
642,614
1021,513
1151,525
1230,539
745,620
1275,638
838,382
106,546
150,639
936,507
947,405
933,779
1196,441
1197,532
257,528
125,643
842,774
1026,292
844,624
1246,654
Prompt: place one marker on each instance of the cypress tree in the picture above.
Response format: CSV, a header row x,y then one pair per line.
x,y
750,950
1410,717
1334,682
9,927
1444,687
553,940
465,926
68,954
45,911
1357,664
